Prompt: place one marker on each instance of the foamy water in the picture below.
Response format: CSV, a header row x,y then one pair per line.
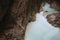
x,y
41,29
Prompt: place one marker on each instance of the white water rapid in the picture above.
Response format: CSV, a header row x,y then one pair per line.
x,y
41,29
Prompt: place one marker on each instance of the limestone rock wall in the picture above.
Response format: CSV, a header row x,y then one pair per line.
x,y
17,14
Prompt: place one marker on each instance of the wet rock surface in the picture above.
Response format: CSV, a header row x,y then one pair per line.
x,y
54,19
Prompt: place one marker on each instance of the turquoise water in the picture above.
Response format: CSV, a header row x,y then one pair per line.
x,y
41,29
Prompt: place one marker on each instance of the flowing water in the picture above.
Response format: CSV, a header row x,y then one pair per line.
x,y
41,29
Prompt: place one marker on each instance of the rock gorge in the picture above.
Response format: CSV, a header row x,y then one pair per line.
x,y
16,14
